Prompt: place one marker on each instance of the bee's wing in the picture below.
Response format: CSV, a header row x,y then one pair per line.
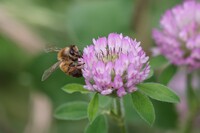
x,y
52,49
49,71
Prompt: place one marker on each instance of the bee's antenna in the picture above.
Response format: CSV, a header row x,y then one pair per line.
x,y
51,49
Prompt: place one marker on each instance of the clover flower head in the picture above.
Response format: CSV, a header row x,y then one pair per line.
x,y
179,37
114,65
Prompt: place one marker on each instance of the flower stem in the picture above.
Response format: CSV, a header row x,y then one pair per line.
x,y
192,103
119,114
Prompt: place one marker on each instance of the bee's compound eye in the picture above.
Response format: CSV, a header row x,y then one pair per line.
x,y
71,51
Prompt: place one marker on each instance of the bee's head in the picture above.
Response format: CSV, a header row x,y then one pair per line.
x,y
73,52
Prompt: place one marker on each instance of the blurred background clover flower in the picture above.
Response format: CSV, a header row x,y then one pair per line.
x,y
179,36
114,65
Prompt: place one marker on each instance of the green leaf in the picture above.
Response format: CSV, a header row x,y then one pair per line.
x,y
99,125
158,61
159,92
104,101
143,107
167,74
93,107
71,88
72,111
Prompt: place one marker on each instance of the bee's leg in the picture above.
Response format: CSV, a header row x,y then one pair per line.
x,y
79,66
72,64
80,62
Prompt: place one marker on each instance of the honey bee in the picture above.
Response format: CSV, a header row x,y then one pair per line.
x,y
67,61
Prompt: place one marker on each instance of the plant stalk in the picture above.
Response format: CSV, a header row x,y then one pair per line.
x,y
119,114
192,103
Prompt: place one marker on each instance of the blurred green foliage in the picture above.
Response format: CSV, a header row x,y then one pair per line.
x,y
62,23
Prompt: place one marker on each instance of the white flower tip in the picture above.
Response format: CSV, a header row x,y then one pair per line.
x,y
94,41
